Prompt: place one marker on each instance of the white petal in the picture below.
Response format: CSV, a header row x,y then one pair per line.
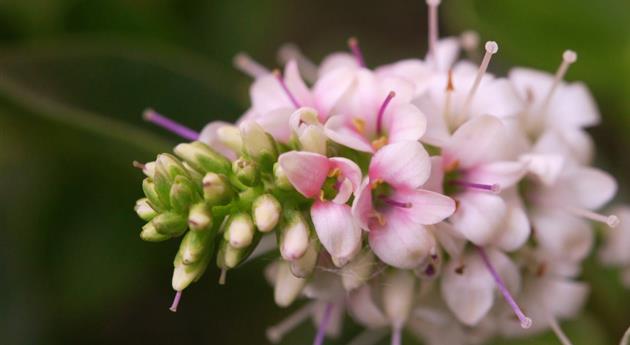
x,y
402,164
479,216
336,230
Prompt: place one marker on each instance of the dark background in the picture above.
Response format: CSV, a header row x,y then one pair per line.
x,y
75,76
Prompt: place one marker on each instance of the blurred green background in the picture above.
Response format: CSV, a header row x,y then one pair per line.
x,y
75,76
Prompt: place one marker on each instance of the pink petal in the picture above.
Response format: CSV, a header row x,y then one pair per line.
x,y
504,173
209,136
401,164
562,235
435,183
414,70
476,142
336,230
447,51
276,123
337,61
516,229
306,171
589,187
296,84
574,145
364,309
404,122
400,242
267,95
344,192
349,170
337,130
479,216
426,207
330,88
362,208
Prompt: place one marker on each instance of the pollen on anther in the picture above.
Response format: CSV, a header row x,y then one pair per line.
x,y
569,56
492,47
433,2
613,221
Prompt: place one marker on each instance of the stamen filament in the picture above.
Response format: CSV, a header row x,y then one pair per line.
x,y
278,76
396,336
353,43
610,220
368,337
151,116
178,297
381,112
568,57
323,325
277,332
290,52
223,276
433,29
138,165
397,203
555,327
494,188
491,49
525,321
249,66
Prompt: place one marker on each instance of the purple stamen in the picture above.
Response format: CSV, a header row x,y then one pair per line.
x,y
494,188
396,336
323,325
381,112
178,296
285,88
397,203
525,321
353,43
170,125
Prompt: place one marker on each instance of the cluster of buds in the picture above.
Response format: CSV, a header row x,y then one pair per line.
x,y
413,196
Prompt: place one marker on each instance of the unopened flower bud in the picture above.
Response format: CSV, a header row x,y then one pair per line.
x,y
170,166
266,211
148,168
313,139
230,136
280,178
398,293
287,287
144,209
169,223
202,158
183,274
256,142
183,194
358,271
294,238
195,245
246,171
216,188
228,256
149,191
240,231
150,234
305,265
199,217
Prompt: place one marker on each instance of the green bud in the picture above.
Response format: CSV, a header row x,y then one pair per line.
x,y
195,245
169,223
266,210
150,234
199,217
202,158
246,171
170,166
216,188
149,191
183,194
280,178
228,256
240,231
183,274
256,142
144,209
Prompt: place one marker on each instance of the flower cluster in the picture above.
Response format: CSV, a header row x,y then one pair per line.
x,y
413,196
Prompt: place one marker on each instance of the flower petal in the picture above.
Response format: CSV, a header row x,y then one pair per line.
x,y
306,171
504,173
400,242
404,122
479,216
338,131
348,169
362,208
562,235
210,137
426,207
364,310
296,85
401,164
336,230
476,142
330,88
276,123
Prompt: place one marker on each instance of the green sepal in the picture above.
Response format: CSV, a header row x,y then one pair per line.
x,y
148,186
195,245
170,223
183,194
202,158
150,234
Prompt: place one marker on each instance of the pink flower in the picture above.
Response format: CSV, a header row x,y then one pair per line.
x,y
391,206
331,182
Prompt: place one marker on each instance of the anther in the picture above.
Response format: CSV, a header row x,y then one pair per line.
x,y
610,220
353,43
249,66
151,116
288,92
